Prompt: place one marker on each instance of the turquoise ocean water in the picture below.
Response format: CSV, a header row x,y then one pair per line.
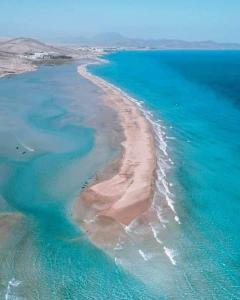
x,y
55,134
194,98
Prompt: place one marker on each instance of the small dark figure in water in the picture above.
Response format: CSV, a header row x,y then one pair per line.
x,y
17,147
24,152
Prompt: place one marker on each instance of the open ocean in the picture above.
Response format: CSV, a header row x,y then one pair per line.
x,y
194,98
55,134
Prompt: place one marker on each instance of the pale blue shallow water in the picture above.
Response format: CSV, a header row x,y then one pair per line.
x,y
196,95
54,136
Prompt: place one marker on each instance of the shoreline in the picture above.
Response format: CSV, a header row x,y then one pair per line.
x,y
16,71
128,193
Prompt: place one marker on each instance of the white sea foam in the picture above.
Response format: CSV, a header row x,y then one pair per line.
x,y
119,245
155,234
129,228
145,256
171,254
160,216
10,294
118,261
165,184
170,203
177,219
161,173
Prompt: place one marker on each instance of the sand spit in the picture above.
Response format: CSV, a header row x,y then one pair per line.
x,y
128,192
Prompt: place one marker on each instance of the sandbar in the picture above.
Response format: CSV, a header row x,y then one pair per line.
x,y
129,191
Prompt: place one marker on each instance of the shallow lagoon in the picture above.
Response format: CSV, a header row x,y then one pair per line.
x,y
55,135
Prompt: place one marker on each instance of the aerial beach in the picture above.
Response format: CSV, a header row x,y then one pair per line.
x,y
119,151
128,193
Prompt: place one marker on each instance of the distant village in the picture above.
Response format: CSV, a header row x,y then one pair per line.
x,y
39,56
50,55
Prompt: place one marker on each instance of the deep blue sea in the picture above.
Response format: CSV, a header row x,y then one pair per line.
x,y
194,96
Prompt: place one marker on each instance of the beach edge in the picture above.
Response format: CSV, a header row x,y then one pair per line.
x,y
130,191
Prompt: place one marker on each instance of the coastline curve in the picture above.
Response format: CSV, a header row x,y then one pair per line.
x,y
129,192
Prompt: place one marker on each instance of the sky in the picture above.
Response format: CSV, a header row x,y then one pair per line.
x,y
217,20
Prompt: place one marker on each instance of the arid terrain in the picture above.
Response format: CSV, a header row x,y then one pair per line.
x,y
24,54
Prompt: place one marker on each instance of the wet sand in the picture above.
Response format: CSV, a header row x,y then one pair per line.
x,y
128,191
7,221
